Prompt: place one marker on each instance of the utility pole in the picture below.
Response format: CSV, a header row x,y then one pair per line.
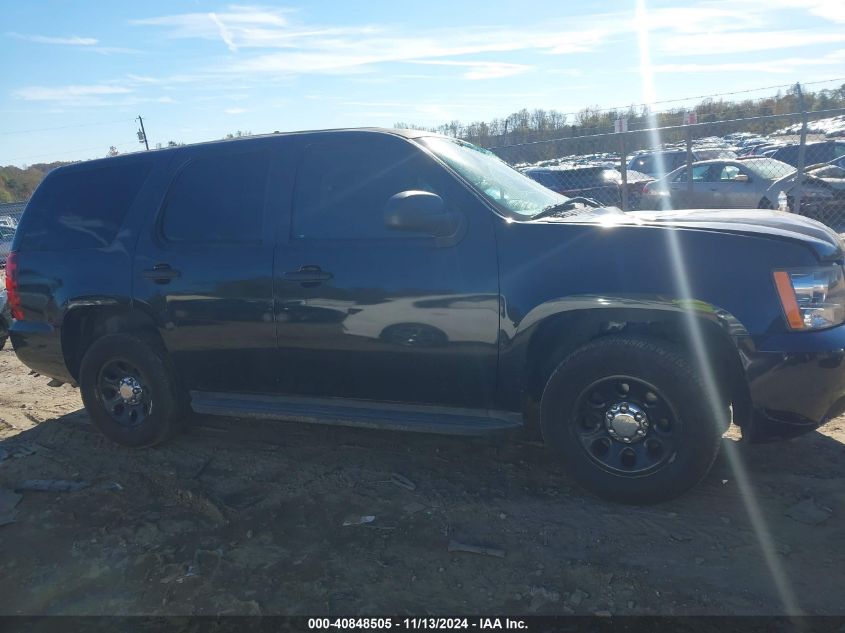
x,y
142,134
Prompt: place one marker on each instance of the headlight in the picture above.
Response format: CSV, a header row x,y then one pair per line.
x,y
812,298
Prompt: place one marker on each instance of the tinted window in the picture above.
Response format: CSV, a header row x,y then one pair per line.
x,y
644,164
788,154
218,199
546,178
342,186
81,207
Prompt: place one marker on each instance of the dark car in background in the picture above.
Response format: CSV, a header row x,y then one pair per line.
x,y
401,279
653,161
814,153
600,183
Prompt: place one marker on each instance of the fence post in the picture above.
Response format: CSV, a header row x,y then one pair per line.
x,y
623,169
802,152
688,132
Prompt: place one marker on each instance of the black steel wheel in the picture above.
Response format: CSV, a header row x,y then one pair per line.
x,y
123,393
130,390
626,425
631,419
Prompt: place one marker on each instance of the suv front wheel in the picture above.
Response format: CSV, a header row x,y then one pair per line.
x,y
129,390
631,419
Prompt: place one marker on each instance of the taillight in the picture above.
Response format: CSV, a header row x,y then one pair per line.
x,y
12,295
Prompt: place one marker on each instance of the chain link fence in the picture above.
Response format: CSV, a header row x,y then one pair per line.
x,y
792,161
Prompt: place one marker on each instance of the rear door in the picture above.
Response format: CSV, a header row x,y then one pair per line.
x,y
203,266
369,312
686,196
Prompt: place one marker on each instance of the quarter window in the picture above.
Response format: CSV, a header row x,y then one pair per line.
x,y
82,207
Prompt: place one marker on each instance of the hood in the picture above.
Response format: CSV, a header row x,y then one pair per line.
x,y
824,242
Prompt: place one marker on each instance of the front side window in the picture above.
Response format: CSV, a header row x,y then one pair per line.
x,y
217,199
343,185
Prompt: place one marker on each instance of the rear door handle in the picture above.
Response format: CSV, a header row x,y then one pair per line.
x,y
161,273
307,275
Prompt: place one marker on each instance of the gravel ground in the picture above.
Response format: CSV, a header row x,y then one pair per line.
x,y
242,517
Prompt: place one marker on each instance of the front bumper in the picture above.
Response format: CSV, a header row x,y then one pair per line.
x,y
796,382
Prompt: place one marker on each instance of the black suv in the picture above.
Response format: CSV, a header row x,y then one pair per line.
x,y
383,278
814,153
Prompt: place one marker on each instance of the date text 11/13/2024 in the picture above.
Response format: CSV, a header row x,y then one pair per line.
x,y
412,624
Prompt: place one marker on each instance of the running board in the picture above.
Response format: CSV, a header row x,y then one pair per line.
x,y
359,413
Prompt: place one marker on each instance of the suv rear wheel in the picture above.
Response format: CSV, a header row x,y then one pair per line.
x,y
631,419
129,390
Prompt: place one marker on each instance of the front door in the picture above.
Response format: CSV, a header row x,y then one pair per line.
x,y
203,267
369,312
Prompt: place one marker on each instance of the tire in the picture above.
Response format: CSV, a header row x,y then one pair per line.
x,y
142,367
765,204
661,409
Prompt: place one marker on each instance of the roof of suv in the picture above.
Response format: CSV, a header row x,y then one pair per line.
x,y
404,133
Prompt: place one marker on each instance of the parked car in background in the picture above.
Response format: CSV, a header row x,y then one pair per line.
x,y
600,183
819,152
650,162
5,318
6,235
752,183
830,169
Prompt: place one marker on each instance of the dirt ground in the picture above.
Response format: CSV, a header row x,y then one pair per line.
x,y
246,517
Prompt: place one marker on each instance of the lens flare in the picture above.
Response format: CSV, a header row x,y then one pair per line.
x,y
718,404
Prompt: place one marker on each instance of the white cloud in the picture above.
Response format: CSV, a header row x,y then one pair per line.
x,y
235,110
831,10
787,66
482,69
225,33
67,93
744,42
65,41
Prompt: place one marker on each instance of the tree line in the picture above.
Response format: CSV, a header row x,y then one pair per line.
x,y
532,126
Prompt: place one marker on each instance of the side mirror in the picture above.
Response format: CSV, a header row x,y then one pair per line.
x,y
421,212
741,178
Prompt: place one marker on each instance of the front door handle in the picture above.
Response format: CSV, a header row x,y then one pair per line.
x,y
310,275
161,273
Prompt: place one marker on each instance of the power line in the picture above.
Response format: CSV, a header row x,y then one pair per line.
x,y
64,127
70,151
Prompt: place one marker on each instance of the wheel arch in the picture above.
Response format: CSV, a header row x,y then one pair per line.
x,y
86,321
559,333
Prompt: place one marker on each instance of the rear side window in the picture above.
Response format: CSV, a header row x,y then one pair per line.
x,y
82,207
218,199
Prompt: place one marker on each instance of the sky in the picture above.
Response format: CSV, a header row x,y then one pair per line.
x,y
77,74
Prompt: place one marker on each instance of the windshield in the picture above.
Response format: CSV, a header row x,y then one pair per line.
x,y
769,168
516,195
